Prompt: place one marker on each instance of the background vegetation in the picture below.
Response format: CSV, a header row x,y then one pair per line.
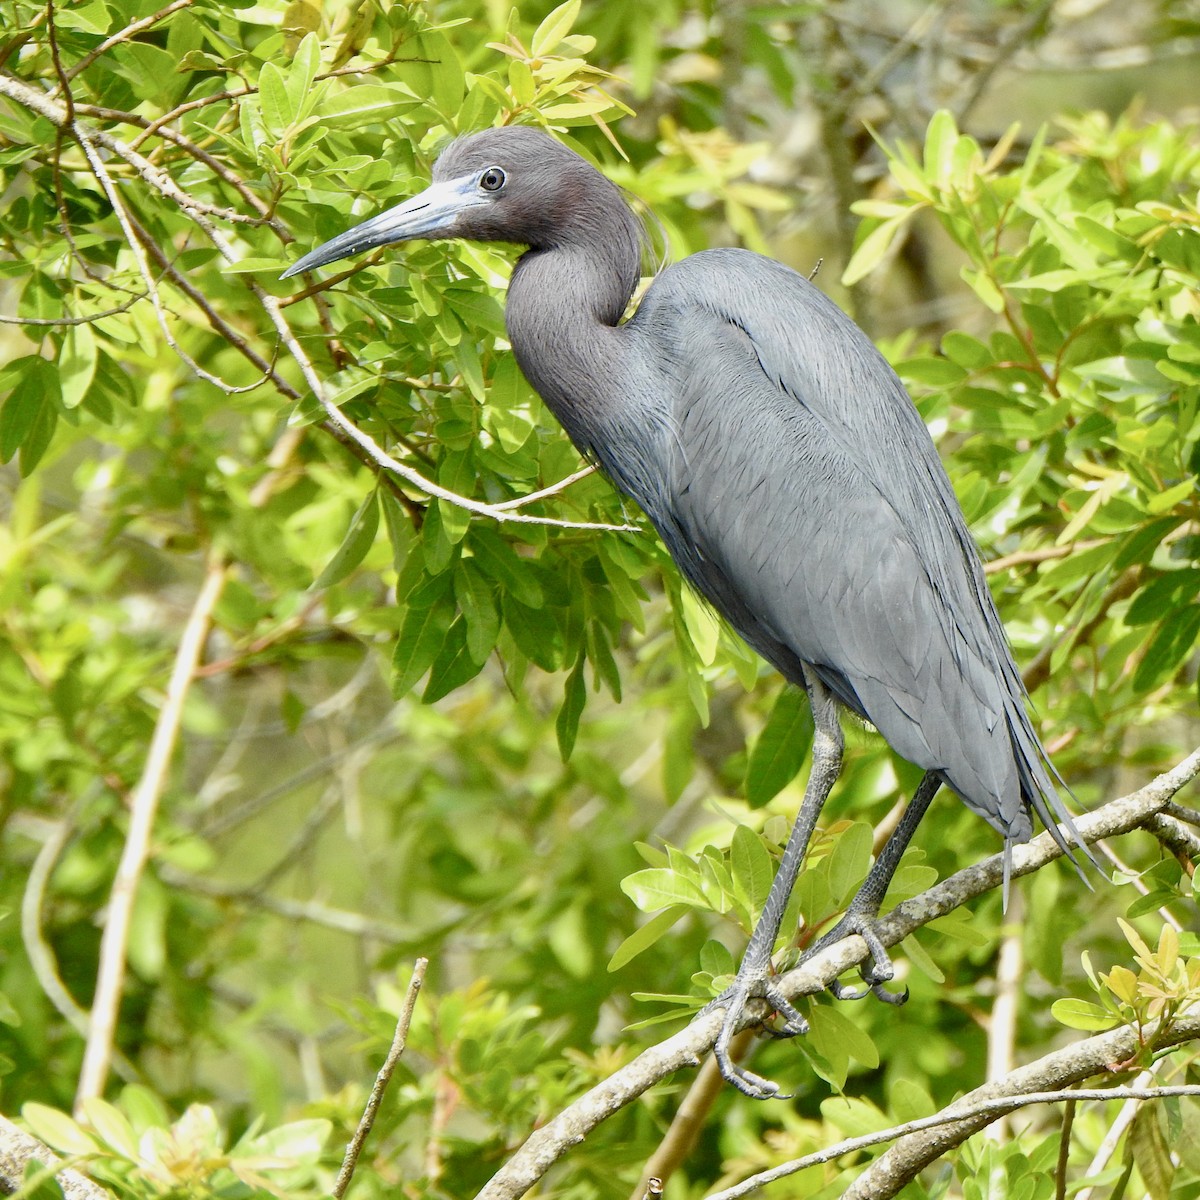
x,y
284,706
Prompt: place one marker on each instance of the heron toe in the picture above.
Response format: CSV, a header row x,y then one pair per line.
x,y
878,968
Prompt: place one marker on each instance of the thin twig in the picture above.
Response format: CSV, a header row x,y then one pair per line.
x,y
1043,554
381,458
123,35
114,944
399,1041
37,950
214,164
89,139
689,1119
118,206
552,490
1064,1150
1115,1132
313,911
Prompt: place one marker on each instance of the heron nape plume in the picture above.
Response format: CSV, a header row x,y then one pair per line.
x,y
792,480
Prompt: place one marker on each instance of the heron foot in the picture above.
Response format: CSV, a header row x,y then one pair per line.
x,y
733,1001
878,968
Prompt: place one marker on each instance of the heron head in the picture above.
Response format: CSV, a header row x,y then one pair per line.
x,y
512,184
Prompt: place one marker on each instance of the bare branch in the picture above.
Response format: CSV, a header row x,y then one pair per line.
x,y
979,1112
381,458
89,139
114,944
123,35
1027,1085
399,1041
550,1142
552,490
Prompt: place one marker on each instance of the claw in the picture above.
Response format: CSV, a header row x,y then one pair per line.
x,y
843,991
889,997
733,1001
878,968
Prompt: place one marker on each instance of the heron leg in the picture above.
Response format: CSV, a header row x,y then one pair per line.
x,y
862,917
753,979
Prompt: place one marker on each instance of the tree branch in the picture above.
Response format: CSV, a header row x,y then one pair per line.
x,y
974,1107
1026,1085
550,1142
114,943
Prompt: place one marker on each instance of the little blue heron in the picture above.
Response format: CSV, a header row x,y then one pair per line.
x,y
790,477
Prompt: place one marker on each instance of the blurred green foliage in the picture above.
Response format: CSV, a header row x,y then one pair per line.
x,y
418,730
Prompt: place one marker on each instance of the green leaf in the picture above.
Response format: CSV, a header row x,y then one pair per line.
x,y
935,372
92,17
277,109
359,539
366,104
476,598
941,139
1082,1014
751,867
984,287
832,1024
113,1126
520,79
1163,596
872,249
1151,1153
496,558
456,473
421,636
295,1142
781,748
702,624
28,415
41,434
1170,646
148,929
77,364
919,957
535,632
852,1116
554,28
566,725
57,1130
655,888
849,861
1167,500
303,73
452,665
507,416
646,936
433,69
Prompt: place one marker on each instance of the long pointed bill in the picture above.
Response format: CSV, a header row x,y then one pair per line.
x,y
431,214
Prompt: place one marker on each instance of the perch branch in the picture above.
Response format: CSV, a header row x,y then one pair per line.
x,y
550,1142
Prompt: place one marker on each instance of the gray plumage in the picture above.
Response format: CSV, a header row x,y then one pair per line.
x,y
776,453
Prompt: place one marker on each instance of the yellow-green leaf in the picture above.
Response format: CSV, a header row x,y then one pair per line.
x,y
554,28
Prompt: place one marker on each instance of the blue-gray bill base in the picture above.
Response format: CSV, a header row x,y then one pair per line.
x,y
790,477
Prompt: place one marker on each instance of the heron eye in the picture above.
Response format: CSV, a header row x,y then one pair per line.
x,y
492,180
